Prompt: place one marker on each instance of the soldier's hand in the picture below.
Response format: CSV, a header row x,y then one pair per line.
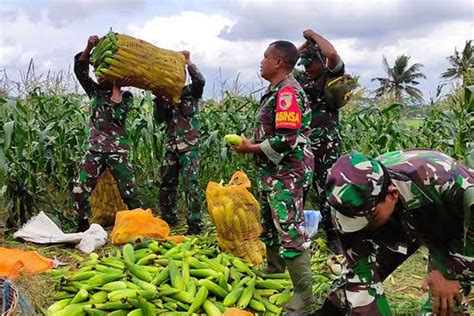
x,y
309,34
446,293
92,41
247,147
187,55
124,82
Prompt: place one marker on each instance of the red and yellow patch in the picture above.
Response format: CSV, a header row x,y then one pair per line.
x,y
288,113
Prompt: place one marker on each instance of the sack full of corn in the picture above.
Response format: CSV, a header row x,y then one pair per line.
x,y
236,214
151,68
106,200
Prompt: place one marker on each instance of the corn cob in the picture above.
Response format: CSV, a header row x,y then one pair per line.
x,y
137,271
201,296
94,312
175,276
211,309
233,296
247,294
233,139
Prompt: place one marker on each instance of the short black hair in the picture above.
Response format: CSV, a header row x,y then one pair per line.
x,y
287,51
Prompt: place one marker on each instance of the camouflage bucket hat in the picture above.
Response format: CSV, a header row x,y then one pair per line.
x,y
354,186
309,54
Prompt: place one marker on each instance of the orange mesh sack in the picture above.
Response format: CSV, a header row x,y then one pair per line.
x,y
106,200
132,225
236,214
237,312
15,261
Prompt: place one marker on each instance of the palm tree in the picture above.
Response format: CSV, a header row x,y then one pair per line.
x,y
401,79
460,63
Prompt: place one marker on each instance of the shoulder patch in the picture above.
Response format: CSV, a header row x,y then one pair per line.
x,y
288,113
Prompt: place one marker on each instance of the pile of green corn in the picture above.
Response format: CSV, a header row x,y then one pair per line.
x,y
160,277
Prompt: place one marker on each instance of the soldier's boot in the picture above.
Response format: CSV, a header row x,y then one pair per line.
x,y
328,309
169,217
195,228
303,301
82,224
275,263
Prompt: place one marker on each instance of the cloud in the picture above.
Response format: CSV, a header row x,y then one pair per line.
x,y
229,41
372,22
61,13
199,33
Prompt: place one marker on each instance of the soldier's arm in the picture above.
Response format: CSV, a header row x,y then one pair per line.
x,y
81,67
127,100
197,79
327,49
288,121
159,109
458,261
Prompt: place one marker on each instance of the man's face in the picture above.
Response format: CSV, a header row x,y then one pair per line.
x,y
385,208
268,65
314,69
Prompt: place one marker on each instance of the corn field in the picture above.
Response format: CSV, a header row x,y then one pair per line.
x,y
44,137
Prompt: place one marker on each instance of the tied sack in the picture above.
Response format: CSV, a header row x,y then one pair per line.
x,y
338,90
106,200
236,215
138,224
161,71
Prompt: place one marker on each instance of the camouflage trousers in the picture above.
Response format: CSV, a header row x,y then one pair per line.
x,y
281,198
93,164
186,165
325,155
370,257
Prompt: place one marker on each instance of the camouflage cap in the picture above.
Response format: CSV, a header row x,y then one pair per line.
x,y
354,186
309,54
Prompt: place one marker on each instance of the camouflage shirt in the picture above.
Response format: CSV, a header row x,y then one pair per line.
x,y
107,120
324,118
437,205
182,120
282,128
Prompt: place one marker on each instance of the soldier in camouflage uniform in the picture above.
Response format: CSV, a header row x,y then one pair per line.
x,y
384,209
182,150
108,141
284,168
321,63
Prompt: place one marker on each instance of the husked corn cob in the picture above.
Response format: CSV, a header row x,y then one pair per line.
x,y
151,68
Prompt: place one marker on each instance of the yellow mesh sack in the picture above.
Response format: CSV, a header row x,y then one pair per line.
x,y
106,200
236,215
151,68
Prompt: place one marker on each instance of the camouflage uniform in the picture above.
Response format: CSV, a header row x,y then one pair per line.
x,y
325,138
108,143
181,157
284,168
435,209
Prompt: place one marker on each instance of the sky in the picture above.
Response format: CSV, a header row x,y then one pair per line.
x,y
227,38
